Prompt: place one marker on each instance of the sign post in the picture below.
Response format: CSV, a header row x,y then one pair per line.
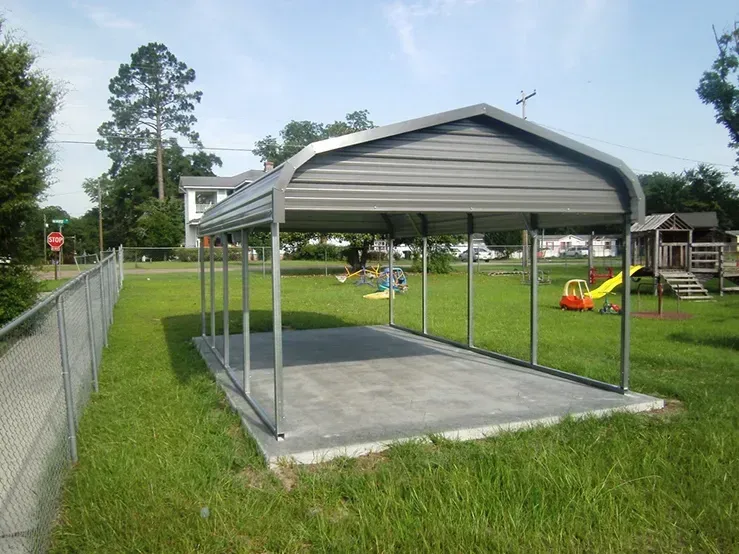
x,y
55,240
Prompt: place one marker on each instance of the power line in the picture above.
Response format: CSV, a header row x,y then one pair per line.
x,y
216,149
643,151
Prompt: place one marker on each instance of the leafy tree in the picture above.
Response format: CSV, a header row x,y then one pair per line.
x,y
160,223
28,101
294,137
701,189
664,192
149,98
128,192
718,86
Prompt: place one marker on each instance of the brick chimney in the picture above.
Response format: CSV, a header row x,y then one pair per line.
x,y
268,166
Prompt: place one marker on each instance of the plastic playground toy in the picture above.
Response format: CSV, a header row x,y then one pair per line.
x,y
574,298
593,275
400,283
611,284
609,308
365,276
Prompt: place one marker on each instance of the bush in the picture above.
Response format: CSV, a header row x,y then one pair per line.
x,y
438,262
318,252
18,291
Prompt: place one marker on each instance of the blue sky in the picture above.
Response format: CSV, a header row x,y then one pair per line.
x,y
620,71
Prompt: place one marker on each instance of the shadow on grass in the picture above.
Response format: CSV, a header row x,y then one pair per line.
x,y
730,342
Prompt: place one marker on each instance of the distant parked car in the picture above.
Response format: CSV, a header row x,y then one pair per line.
x,y
575,252
478,253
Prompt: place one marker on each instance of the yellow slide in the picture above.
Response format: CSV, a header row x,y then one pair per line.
x,y
612,283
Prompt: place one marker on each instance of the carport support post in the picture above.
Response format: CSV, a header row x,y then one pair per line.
x,y
277,327
211,240
424,284
226,341
245,325
390,281
201,255
656,260
590,254
626,305
534,275
470,285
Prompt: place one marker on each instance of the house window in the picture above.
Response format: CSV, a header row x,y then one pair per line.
x,y
204,200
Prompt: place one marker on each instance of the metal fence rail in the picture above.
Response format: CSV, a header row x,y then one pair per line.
x,y
49,359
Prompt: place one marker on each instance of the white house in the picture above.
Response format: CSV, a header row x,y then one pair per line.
x,y
557,245
202,193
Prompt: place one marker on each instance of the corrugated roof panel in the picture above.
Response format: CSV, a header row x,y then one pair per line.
x,y
473,160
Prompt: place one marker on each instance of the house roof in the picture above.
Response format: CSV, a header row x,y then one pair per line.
x,y
220,182
471,169
734,233
700,220
665,222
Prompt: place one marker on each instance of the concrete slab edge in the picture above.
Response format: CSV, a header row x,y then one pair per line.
x,y
356,450
221,376
322,455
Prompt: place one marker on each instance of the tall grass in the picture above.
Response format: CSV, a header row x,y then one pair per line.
x,y
157,444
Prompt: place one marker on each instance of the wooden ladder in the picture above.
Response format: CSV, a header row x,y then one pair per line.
x,y
686,285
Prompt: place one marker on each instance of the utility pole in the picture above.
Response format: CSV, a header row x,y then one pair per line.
x,y
100,218
522,101
524,233
46,226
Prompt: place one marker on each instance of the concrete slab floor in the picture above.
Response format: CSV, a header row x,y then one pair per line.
x,y
354,390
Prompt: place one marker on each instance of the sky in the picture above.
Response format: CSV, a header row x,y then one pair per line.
x,y
618,75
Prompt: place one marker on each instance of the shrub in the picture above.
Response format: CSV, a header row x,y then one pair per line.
x,y
317,252
438,262
18,291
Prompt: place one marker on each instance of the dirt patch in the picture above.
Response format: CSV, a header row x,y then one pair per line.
x,y
665,315
672,408
287,474
371,461
259,479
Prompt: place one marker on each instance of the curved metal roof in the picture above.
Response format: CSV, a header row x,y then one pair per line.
x,y
428,174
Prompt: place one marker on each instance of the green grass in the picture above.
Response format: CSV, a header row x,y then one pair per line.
x,y
49,285
158,443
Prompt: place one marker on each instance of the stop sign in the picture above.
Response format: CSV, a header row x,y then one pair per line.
x,y
55,240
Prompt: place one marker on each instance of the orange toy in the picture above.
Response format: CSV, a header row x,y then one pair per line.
x,y
574,298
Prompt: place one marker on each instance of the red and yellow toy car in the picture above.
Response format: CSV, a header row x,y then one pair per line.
x,y
576,296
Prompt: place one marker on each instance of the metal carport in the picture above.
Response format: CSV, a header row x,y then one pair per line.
x,y
474,169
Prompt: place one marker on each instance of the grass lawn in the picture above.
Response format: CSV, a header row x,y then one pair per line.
x,y
50,285
158,445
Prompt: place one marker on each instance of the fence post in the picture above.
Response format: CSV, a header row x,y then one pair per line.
x,y
721,270
91,334
103,314
66,378
111,289
121,263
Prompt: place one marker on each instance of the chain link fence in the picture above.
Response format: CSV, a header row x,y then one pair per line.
x,y
49,358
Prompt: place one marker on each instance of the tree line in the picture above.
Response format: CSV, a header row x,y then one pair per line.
x,y
152,107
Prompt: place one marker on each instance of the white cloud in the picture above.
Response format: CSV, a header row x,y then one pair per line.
x,y
404,18
106,19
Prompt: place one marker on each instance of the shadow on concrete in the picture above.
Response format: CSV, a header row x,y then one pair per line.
x,y
308,339
180,329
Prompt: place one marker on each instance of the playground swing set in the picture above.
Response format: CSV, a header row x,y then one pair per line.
x,y
378,277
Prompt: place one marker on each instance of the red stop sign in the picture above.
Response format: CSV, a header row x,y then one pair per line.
x,y
55,240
